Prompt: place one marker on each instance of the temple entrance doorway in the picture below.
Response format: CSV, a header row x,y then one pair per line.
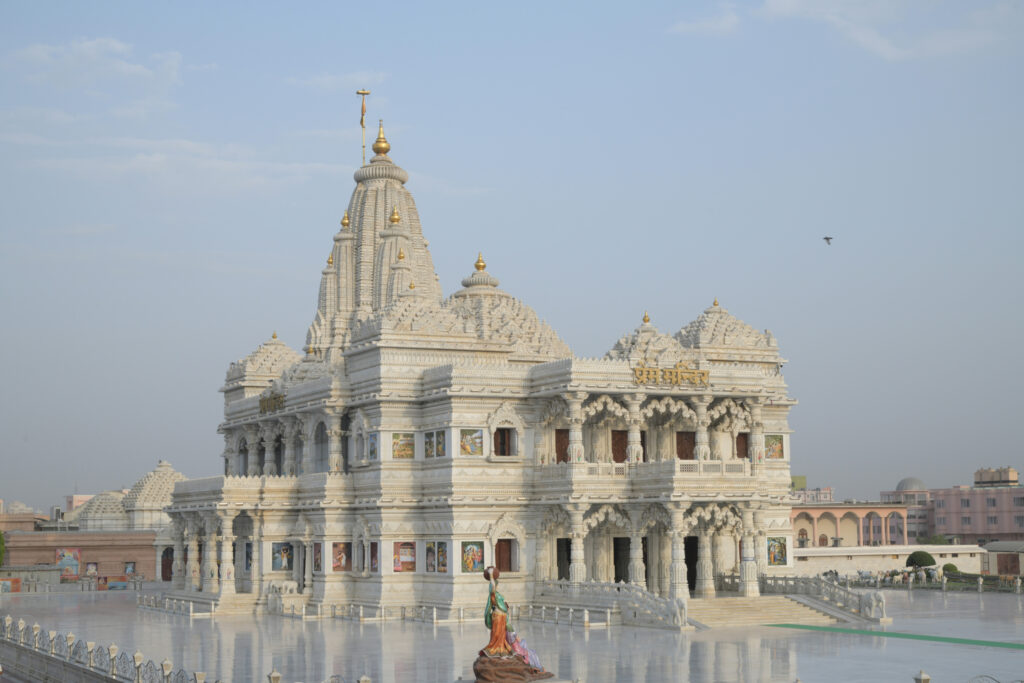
x,y
620,555
562,548
690,547
166,564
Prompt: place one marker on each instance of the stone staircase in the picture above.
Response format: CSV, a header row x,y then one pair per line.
x,y
728,612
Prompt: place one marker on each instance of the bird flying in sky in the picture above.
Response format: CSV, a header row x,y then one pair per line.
x,y
828,240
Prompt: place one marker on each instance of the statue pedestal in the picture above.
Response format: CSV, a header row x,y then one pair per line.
x,y
510,669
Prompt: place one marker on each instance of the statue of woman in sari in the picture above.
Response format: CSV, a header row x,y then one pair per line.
x,y
496,618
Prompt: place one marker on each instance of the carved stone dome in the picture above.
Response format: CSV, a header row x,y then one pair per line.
x,y
716,327
911,484
494,315
104,512
648,344
154,490
266,363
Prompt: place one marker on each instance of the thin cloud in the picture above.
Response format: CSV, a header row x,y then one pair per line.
x,y
330,82
884,28
721,24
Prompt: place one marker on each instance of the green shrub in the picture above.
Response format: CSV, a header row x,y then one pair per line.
x,y
949,568
920,558
936,539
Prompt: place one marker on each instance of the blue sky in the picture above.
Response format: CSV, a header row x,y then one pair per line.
x,y
173,174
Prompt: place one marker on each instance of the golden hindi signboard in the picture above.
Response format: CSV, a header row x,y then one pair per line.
x,y
271,403
682,373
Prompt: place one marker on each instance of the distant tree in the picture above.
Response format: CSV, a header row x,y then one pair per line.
x,y
949,568
920,558
934,539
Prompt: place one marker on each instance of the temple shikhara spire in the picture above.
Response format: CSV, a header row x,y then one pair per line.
x,y
422,436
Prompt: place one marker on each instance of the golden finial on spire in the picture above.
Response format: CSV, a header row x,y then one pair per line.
x,y
412,285
345,221
647,318
394,215
716,302
274,336
480,263
330,259
401,254
381,144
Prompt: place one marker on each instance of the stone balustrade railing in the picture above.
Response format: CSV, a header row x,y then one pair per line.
x,y
37,654
672,468
867,605
635,605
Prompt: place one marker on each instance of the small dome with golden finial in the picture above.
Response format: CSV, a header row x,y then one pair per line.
x,y
715,302
647,318
401,254
330,259
394,218
345,221
381,145
274,336
412,285
480,264
480,277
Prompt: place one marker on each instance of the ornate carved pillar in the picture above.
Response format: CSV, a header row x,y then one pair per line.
x,y
252,444
755,444
210,584
748,566
575,403
269,436
227,559
719,540
577,566
291,428
705,569
230,455
256,571
334,438
637,570
307,566
760,543
178,564
814,530
678,581
192,569
309,424
542,556
634,449
860,529
702,447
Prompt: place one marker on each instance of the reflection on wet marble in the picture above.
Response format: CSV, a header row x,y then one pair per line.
x,y
246,649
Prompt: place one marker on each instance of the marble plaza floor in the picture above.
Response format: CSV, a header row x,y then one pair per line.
x,y
959,636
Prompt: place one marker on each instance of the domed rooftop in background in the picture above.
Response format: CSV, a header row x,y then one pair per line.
x,y
154,489
104,512
911,484
647,343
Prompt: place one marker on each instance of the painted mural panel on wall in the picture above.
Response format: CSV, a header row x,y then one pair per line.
x,y
281,557
92,569
68,560
776,551
371,446
403,446
437,556
471,441
773,447
10,585
405,556
440,449
318,562
374,555
342,554
428,445
472,556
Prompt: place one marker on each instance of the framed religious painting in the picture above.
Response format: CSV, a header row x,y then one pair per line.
x,y
773,449
403,446
342,554
318,563
472,556
471,441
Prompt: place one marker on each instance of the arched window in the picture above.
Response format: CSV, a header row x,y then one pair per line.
x,y
320,448
823,541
